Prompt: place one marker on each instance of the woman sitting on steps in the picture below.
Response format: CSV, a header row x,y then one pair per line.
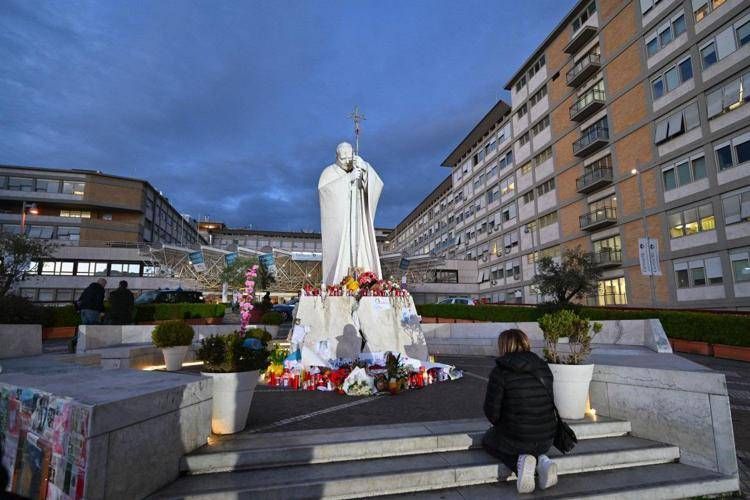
x,y
521,412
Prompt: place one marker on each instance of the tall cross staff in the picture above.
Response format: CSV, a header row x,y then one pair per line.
x,y
357,117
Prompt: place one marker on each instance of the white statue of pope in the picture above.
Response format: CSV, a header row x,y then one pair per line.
x,y
349,191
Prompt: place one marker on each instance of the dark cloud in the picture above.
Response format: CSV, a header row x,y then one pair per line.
x,y
234,108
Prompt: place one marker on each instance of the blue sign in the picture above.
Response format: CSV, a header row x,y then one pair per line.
x,y
197,260
230,258
268,261
404,264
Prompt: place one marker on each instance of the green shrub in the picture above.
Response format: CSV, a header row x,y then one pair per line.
x,y
715,328
227,354
156,312
258,333
19,310
172,333
61,316
272,318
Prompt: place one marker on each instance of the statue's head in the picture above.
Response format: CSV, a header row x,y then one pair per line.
x,y
344,155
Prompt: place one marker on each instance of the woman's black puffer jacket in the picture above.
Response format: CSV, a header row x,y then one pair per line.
x,y
519,406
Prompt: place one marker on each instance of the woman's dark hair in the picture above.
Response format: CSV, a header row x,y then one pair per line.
x,y
513,340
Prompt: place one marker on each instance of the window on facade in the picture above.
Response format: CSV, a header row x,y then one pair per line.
x,y
612,292
118,269
59,268
493,195
510,240
684,172
528,197
725,43
677,123
541,125
20,184
91,269
75,188
68,233
506,160
507,186
611,245
691,221
42,232
10,229
536,67
526,168
671,78
740,266
698,272
520,83
545,187
48,185
524,139
664,34
584,16
509,212
76,214
542,157
729,96
492,171
521,112
548,219
733,153
538,96
701,8
736,207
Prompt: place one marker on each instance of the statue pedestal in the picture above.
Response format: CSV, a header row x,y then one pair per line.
x,y
335,323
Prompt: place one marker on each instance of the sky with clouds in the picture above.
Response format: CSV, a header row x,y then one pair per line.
x,y
233,108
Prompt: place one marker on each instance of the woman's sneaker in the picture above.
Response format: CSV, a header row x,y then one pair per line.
x,y
526,467
547,470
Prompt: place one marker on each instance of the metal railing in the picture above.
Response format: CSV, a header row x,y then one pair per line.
x,y
606,257
590,97
599,173
590,136
582,65
604,214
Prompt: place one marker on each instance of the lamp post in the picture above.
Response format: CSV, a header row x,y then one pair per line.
x,y
644,222
29,208
528,230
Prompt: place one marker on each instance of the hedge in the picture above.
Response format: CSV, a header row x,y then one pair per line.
x,y
155,312
727,329
61,316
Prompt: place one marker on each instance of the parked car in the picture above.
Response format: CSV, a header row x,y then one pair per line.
x,y
466,301
170,297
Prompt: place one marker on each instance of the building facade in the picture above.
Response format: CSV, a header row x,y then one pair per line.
x,y
629,121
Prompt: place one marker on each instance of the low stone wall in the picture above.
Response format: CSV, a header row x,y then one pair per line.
x,y
20,340
101,336
481,338
134,426
669,399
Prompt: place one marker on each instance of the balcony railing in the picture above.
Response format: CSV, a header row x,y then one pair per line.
x,y
606,258
593,138
597,177
598,218
583,69
587,105
580,38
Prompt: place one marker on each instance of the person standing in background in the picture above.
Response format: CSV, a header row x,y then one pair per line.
x,y
122,304
91,303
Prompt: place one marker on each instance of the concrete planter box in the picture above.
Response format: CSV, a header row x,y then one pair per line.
x,y
429,319
692,347
463,321
233,394
20,340
58,332
189,321
731,352
571,389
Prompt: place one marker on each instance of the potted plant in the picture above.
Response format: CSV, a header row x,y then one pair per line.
x,y
392,370
571,376
234,362
174,338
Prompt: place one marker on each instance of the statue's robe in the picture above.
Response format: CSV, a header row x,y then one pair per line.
x,y
347,212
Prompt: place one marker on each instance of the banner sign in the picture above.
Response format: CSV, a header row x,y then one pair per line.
x,y
404,264
197,260
648,256
268,261
309,256
230,258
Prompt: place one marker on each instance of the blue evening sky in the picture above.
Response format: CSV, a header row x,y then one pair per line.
x,y
232,109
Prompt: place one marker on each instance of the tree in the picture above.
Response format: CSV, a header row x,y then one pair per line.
x,y
575,277
18,251
234,275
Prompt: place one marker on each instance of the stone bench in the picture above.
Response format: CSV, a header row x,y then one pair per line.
x,y
20,340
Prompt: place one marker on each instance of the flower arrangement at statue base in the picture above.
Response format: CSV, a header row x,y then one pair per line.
x,y
368,375
358,285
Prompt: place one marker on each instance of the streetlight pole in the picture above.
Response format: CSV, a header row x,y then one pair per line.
x,y
528,230
644,223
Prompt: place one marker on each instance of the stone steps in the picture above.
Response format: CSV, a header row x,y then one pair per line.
x,y
662,481
253,451
407,473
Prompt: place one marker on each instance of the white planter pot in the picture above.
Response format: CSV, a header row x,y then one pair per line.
x,y
571,388
233,393
174,356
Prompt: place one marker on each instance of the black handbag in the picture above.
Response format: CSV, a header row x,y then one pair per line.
x,y
565,437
